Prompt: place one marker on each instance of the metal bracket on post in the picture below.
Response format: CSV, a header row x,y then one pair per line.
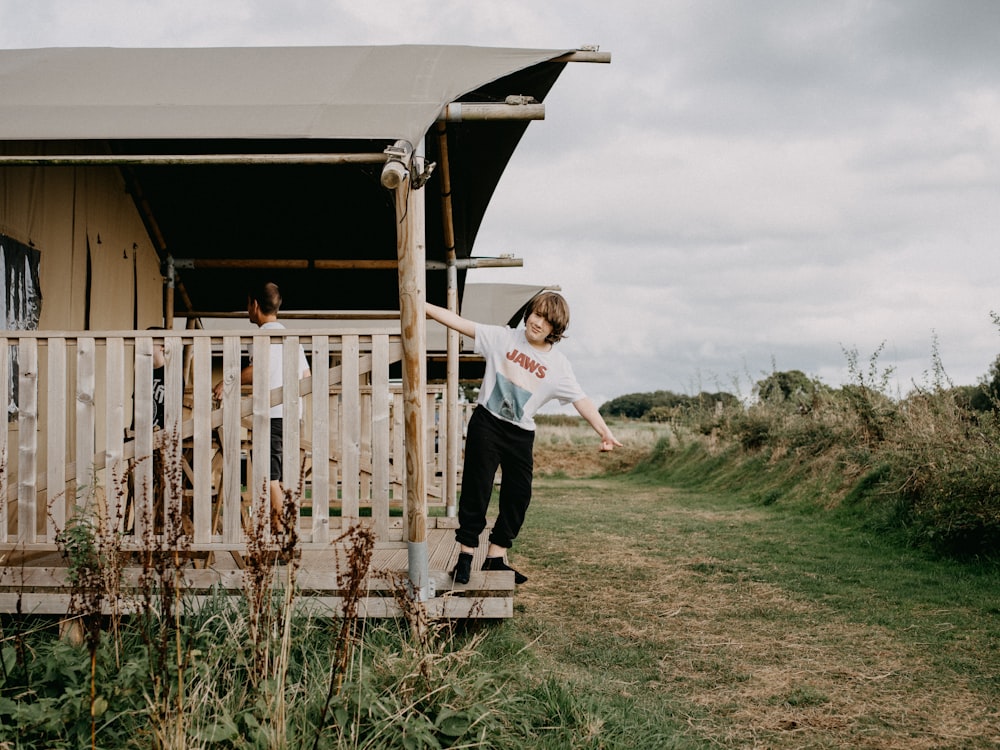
x,y
397,164
169,270
419,178
400,165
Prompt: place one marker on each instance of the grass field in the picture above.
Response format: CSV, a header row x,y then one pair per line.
x,y
697,620
655,616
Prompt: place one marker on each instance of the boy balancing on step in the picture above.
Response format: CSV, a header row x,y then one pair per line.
x,y
523,372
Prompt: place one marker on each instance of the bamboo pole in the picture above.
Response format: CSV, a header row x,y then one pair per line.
x,y
450,489
518,109
506,261
411,250
477,112
202,264
313,315
76,160
329,264
584,56
333,265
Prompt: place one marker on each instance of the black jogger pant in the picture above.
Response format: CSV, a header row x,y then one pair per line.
x,y
490,443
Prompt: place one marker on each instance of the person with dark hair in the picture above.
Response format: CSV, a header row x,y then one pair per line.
x,y
263,304
159,387
159,393
523,373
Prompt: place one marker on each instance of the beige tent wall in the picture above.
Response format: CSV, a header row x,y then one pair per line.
x,y
123,292
124,267
57,210
149,284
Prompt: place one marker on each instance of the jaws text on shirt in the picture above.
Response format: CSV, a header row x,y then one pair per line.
x,y
522,359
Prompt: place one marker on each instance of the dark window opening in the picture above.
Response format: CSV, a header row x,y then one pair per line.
x,y
20,302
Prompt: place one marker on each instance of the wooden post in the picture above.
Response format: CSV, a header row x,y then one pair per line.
x,y
411,251
4,436
27,419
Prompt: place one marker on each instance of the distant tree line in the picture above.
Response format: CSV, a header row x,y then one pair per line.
x,y
986,395
788,386
661,405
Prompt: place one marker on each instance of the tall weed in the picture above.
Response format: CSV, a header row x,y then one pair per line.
x,y
194,669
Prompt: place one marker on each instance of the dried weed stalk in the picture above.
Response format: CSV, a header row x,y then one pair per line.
x,y
270,606
165,552
359,543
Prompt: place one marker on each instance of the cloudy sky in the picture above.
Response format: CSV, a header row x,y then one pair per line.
x,y
748,186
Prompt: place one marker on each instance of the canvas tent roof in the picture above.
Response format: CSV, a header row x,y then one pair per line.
x,y
277,100
266,92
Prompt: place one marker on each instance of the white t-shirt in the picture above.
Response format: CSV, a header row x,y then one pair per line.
x,y
275,375
519,378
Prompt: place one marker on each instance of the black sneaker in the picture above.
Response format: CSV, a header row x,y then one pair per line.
x,y
497,563
463,568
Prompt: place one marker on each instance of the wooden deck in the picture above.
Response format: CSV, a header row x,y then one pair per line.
x,y
36,582
69,450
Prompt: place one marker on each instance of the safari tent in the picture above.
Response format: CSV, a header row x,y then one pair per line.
x,y
151,188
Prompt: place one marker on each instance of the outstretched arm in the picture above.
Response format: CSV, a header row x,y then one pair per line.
x,y
588,411
451,320
246,378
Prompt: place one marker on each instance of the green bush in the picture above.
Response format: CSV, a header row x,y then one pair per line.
x,y
755,430
926,467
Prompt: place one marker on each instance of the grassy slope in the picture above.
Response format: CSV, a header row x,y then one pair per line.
x,y
695,619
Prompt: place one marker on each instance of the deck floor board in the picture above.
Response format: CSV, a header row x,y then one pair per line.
x,y
34,581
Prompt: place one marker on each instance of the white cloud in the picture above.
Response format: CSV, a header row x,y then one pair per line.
x,y
746,186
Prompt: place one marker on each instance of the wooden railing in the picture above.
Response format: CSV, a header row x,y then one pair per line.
x,y
72,442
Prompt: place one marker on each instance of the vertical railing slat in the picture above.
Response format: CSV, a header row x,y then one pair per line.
x,y
431,405
336,444
366,446
172,454
4,447
398,458
321,439
201,413
232,501
114,416
291,460
55,425
439,444
260,484
350,430
380,436
85,416
27,392
142,466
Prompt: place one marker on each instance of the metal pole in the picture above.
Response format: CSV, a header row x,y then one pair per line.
x,y
454,433
168,314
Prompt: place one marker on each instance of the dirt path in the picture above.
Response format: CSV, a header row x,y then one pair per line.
x,y
633,590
